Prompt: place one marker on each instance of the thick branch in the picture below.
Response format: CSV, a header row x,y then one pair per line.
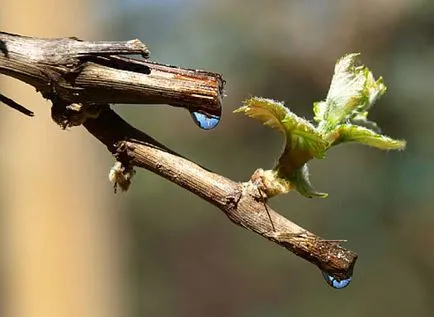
x,y
70,71
89,72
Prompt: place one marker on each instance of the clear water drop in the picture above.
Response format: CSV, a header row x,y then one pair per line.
x,y
334,282
205,121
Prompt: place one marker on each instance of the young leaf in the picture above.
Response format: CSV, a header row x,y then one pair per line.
x,y
342,117
300,179
300,135
374,89
302,143
352,92
270,112
354,133
304,136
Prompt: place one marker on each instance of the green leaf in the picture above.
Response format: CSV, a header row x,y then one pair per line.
x,y
345,91
355,133
341,117
352,92
319,110
304,136
300,134
270,112
300,179
374,89
302,143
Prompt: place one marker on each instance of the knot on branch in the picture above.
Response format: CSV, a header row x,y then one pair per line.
x,y
69,115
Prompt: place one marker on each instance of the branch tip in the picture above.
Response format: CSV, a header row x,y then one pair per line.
x,y
9,102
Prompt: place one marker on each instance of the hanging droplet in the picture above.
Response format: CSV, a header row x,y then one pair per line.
x,y
334,282
205,121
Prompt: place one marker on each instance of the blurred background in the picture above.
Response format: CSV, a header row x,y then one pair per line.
x,y
70,247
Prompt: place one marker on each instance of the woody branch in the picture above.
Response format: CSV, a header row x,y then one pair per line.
x,y
82,78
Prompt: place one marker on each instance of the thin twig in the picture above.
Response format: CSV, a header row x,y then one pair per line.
x,y
266,208
16,106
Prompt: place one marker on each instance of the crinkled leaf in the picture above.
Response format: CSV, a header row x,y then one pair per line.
x,y
270,112
319,109
352,92
355,133
374,89
300,134
300,179
345,91
342,117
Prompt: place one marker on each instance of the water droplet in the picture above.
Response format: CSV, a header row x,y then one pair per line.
x,y
205,121
334,282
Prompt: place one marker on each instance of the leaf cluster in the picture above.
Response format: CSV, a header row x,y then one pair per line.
x,y
341,118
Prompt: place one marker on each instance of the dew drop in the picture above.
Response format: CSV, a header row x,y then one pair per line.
x,y
204,121
334,282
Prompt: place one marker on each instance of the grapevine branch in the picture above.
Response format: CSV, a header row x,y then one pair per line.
x,y
82,78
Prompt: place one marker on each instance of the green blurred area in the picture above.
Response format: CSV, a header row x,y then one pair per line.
x,y
185,258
